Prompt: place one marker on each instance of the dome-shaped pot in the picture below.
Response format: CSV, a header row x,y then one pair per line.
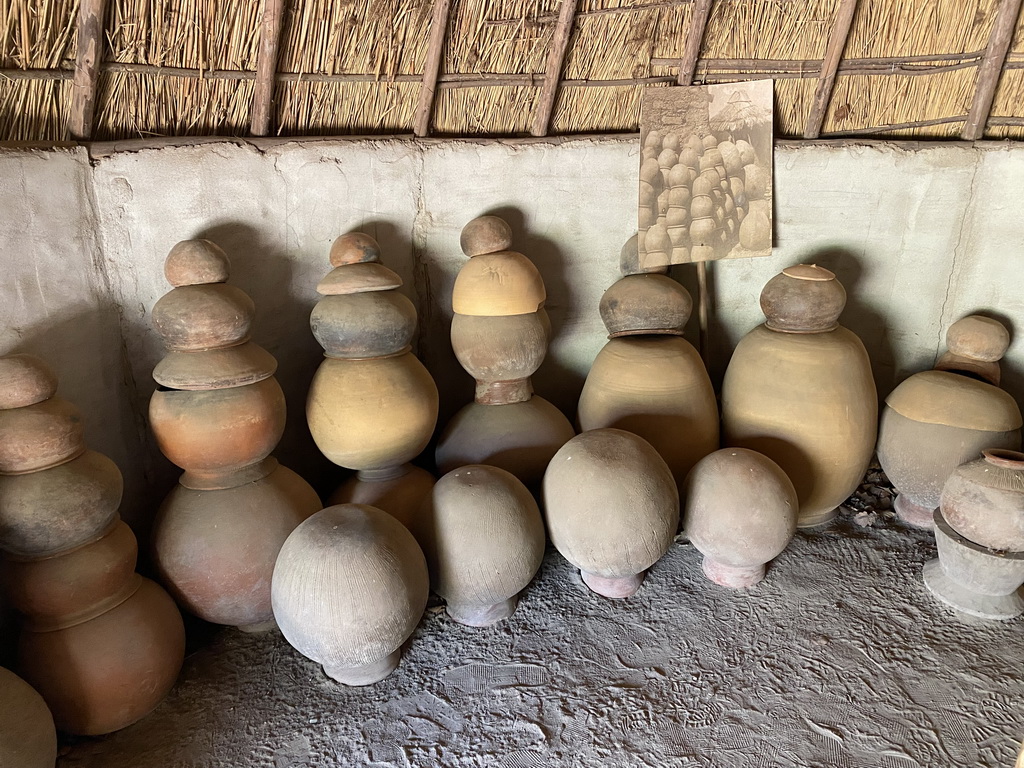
x,y
645,304
984,500
498,284
483,537
485,234
354,248
196,317
196,262
399,491
739,511
362,325
40,436
349,587
802,299
215,368
612,508
349,279
30,740
25,380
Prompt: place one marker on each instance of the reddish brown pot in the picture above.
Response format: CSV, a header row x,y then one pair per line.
x,y
25,380
63,507
984,500
216,549
220,431
106,673
399,491
499,348
40,436
195,317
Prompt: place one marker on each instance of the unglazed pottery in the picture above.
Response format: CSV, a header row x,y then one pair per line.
x,y
799,390
349,588
984,500
612,508
399,491
483,537
27,736
218,413
739,511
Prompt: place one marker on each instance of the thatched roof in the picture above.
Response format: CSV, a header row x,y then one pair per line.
x,y
190,67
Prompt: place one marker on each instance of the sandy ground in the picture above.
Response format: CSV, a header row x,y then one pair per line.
x,y
839,659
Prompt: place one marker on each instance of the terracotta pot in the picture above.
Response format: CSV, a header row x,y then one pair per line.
x,y
483,537
650,304
612,508
354,248
499,348
399,491
801,299
215,368
976,344
702,231
60,508
984,500
629,262
30,740
657,388
105,674
196,262
371,414
364,325
196,317
25,380
349,588
739,511
485,234
358,278
215,550
213,433
40,436
932,423
498,284
520,438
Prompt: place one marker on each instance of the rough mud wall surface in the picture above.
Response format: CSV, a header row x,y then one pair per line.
x,y
841,659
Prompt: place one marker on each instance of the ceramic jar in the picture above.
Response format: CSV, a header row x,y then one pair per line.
x,y
92,628
739,511
500,334
936,420
983,500
372,405
612,508
218,413
27,736
799,390
350,586
483,537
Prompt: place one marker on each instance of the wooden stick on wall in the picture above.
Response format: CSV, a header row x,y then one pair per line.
x,y
553,69
432,68
829,66
87,68
266,67
991,68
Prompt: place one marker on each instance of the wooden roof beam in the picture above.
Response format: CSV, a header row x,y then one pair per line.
x,y
694,40
991,68
829,66
87,68
266,67
553,70
432,68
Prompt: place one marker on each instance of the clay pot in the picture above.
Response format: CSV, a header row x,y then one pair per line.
x,y
671,141
677,217
612,508
653,139
976,344
629,260
657,241
215,368
483,537
399,491
984,500
739,511
106,673
520,438
679,177
747,154
40,436
667,159
349,588
755,181
932,423
364,325
657,388
679,197
197,317
702,231
756,232
354,248
214,433
662,203
30,740
709,142
645,304
498,284
216,549
358,278
372,414
650,171
42,513
485,234
805,298
196,262
499,348
25,380
648,194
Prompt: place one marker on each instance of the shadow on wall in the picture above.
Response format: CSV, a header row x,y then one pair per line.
x,y
1012,376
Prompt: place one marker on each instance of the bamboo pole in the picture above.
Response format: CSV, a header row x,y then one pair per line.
x,y
991,68
87,68
829,66
432,67
266,67
694,40
553,69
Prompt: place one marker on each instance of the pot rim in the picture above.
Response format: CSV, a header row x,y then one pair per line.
x,y
1005,458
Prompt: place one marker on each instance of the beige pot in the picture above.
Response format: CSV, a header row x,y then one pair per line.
x,y
30,739
498,284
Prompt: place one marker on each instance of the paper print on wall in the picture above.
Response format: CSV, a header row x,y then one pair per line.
x,y
705,173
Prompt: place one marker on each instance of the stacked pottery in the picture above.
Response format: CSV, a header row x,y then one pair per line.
x,y
27,736
612,508
217,413
350,586
101,644
500,335
740,513
799,390
372,406
648,379
979,530
936,420
483,536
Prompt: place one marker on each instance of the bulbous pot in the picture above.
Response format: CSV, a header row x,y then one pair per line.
x,y
645,304
106,673
215,550
498,284
807,402
59,508
399,491
25,380
208,316
483,537
40,436
983,500
499,348
372,414
655,387
214,433
30,739
362,325
350,586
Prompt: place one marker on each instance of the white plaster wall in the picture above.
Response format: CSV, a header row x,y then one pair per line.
x,y
919,234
